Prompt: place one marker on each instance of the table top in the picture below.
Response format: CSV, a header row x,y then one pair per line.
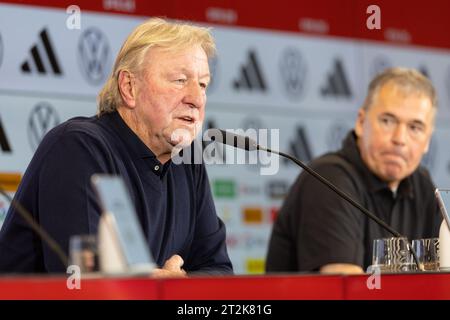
x,y
260,287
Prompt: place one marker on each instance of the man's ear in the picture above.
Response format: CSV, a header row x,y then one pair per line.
x,y
359,124
127,88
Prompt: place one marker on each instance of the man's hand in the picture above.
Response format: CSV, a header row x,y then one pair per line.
x,y
171,268
344,268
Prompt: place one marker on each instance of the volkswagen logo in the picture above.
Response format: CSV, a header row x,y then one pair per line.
x,y
293,71
94,55
42,118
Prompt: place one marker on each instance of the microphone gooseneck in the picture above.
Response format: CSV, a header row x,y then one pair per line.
x,y
232,139
336,190
53,245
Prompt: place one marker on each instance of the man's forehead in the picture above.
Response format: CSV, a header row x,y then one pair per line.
x,y
195,52
391,90
179,60
392,95
402,111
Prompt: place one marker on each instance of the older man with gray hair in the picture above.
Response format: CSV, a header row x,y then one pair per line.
x,y
154,101
379,166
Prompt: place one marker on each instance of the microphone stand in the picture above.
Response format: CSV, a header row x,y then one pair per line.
x,y
53,245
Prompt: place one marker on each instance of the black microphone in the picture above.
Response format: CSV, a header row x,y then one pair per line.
x,y
234,140
27,216
246,143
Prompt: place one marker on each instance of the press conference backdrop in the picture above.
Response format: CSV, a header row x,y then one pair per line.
x,y
301,69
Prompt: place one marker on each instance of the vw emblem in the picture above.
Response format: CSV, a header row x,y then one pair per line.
x,y
252,126
94,55
293,71
43,117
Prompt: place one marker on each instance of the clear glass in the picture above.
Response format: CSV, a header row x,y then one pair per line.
x,y
84,253
427,251
392,255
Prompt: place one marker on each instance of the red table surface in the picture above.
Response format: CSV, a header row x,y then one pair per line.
x,y
280,287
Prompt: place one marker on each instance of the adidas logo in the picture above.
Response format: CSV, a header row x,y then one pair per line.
x,y
4,143
299,147
337,84
42,57
251,77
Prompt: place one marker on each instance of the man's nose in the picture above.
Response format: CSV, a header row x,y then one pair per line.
x,y
399,136
195,95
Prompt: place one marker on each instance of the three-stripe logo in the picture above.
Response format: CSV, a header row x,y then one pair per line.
x,y
251,77
299,146
4,143
42,57
337,83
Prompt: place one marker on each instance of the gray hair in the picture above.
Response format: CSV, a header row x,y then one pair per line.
x,y
407,80
154,32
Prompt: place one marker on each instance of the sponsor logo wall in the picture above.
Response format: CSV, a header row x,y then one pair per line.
x,y
25,120
43,56
282,71
309,88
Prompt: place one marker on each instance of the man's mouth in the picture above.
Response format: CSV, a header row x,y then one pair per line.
x,y
395,156
187,119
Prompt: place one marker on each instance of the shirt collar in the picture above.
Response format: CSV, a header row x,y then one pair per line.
x,y
350,151
134,144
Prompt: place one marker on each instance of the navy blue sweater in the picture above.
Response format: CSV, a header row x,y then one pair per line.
x,y
173,202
